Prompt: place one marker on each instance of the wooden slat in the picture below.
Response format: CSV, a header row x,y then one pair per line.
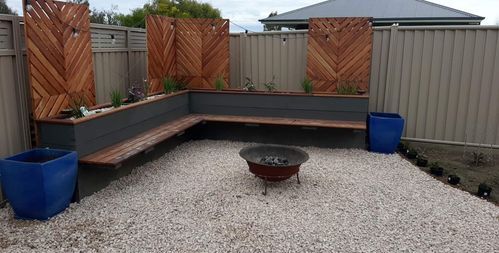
x,y
339,49
60,66
114,155
359,125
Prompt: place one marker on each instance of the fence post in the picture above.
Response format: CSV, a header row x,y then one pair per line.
x,y
389,70
129,56
22,90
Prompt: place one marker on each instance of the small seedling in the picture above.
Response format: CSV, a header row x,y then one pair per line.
x,y
219,83
116,98
478,158
307,85
169,85
249,85
270,86
484,190
453,179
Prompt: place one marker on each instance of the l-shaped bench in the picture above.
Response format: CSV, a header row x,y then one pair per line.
x,y
109,138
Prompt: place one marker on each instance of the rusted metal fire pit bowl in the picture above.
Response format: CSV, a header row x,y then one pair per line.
x,y
274,162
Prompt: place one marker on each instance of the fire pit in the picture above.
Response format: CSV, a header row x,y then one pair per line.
x,y
274,162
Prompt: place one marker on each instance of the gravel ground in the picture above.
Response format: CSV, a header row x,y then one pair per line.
x,y
201,198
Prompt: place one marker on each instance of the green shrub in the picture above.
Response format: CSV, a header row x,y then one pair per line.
x,y
169,85
116,98
347,87
249,85
219,83
270,86
307,85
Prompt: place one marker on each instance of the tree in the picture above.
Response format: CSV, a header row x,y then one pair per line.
x,y
174,9
109,17
272,27
4,9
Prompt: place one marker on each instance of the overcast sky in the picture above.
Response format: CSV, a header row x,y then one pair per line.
x,y
247,12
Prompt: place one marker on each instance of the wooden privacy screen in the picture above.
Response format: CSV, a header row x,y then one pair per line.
x,y
198,48
339,51
59,56
161,53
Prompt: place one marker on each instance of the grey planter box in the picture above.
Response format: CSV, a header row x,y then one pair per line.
x,y
90,134
285,105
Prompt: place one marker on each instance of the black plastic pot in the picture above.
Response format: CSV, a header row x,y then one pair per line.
x,y
484,190
412,154
422,162
437,171
453,179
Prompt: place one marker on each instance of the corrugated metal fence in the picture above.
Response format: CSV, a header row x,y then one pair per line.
x,y
443,80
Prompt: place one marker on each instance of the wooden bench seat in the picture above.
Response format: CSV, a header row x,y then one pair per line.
x,y
115,155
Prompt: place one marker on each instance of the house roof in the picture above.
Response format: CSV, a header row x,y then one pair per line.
x,y
379,10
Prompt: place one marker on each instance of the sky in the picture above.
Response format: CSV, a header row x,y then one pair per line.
x,y
246,13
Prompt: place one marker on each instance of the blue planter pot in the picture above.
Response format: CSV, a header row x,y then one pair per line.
x,y
384,131
39,183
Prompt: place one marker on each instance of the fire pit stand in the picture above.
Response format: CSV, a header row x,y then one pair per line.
x,y
274,162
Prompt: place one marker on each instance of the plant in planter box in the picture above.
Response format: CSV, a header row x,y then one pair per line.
x,y
169,85
249,85
76,103
436,169
347,87
422,160
412,154
307,85
219,83
116,98
135,94
484,190
453,179
270,86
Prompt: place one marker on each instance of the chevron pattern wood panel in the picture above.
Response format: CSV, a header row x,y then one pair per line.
x,y
215,38
161,51
339,49
195,52
189,52
60,64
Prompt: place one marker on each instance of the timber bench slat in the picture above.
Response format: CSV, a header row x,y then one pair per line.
x,y
114,155
358,125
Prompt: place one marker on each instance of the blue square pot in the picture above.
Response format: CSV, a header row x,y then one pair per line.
x,y
384,131
39,183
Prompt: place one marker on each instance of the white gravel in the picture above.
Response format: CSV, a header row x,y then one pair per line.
x,y
201,198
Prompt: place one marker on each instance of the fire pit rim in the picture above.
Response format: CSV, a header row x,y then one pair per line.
x,y
301,161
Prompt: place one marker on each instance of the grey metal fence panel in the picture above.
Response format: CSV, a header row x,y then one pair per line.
x,y
264,56
443,80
